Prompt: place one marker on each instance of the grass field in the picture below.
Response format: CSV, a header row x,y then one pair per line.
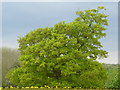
x,y
53,89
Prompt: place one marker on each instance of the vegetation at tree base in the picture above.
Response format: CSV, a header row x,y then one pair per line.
x,y
51,89
64,55
112,71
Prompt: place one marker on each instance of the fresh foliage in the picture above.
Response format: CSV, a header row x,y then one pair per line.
x,y
64,55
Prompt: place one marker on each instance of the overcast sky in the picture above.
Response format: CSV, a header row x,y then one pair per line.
x,y
20,18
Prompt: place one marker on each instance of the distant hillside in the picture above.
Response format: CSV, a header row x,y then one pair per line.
x,y
108,66
113,73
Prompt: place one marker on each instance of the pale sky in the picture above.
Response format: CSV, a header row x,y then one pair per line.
x,y
59,0
0,24
22,17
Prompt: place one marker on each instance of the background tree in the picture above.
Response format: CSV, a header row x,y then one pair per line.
x,y
8,60
64,55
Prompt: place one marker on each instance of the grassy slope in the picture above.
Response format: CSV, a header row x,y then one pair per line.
x,y
112,72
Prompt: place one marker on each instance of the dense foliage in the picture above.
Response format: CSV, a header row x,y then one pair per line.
x,y
64,55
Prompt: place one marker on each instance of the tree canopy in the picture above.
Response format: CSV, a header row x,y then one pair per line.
x,y
64,55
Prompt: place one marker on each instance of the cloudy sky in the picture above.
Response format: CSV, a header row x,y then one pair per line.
x,y
19,18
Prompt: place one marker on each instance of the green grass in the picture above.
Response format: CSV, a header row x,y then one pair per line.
x,y
112,73
53,89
